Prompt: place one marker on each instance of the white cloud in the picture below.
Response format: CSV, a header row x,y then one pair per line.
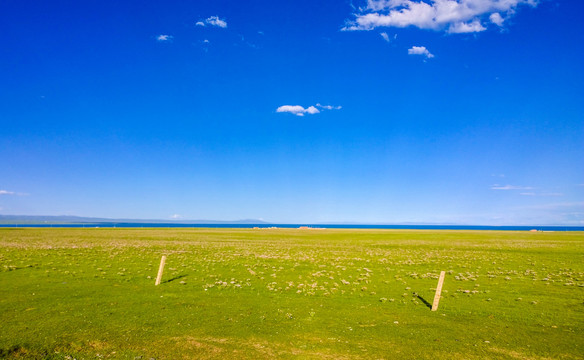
x,y
461,28
163,38
6,192
300,110
312,110
454,16
328,107
564,205
386,37
510,187
215,21
496,19
297,109
420,50
176,217
556,194
212,21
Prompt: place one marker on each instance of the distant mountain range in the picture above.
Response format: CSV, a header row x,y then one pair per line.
x,y
43,220
67,219
70,219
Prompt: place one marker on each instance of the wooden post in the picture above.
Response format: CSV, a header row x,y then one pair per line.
x,y
438,291
160,270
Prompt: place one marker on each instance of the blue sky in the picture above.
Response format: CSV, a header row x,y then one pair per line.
x,y
386,111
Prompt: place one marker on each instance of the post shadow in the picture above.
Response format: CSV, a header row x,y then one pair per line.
x,y
423,300
173,279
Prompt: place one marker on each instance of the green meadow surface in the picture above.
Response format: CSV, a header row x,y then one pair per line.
x,y
290,293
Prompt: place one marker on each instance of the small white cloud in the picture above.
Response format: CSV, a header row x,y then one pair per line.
x,y
461,27
215,21
206,41
297,109
510,187
312,110
6,192
300,110
328,107
541,194
212,21
176,216
496,19
565,205
384,36
163,38
420,50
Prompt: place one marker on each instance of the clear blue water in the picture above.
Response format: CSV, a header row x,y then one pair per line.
x,y
328,226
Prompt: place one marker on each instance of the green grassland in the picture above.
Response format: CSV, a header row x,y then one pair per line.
x,y
289,293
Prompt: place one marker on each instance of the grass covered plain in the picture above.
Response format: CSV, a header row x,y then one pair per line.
x,y
288,293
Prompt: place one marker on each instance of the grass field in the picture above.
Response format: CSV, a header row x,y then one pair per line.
x,y
281,293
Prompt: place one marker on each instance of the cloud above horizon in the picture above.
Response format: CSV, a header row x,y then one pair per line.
x,y
510,187
6,192
563,205
496,19
451,16
299,110
541,194
420,50
212,21
328,107
163,38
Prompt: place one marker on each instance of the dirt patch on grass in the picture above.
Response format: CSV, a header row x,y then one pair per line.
x,y
203,347
212,348
98,345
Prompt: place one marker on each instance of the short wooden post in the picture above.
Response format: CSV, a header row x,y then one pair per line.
x,y
160,270
438,291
